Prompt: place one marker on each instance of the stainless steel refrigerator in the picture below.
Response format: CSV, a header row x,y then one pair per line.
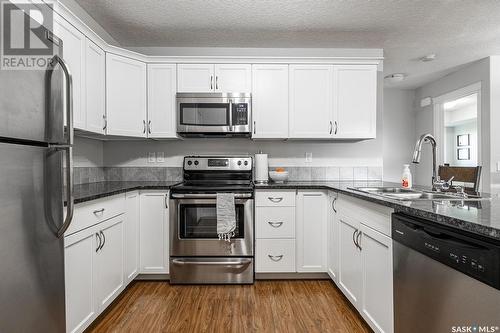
x,y
36,138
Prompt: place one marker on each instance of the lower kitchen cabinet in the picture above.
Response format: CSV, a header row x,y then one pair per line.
x,y
154,230
93,271
131,236
332,255
275,256
311,222
376,257
349,280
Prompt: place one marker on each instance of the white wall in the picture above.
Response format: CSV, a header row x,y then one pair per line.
x,y
495,122
87,152
478,71
399,132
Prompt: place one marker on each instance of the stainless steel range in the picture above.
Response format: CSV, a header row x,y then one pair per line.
x,y
196,253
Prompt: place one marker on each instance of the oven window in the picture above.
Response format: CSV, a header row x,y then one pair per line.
x,y
204,114
200,221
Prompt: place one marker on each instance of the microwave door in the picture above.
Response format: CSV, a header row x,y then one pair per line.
x,y
204,117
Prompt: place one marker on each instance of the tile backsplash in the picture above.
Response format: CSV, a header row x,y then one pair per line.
x,y
84,175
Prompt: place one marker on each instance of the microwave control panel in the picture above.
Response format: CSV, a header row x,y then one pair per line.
x,y
240,114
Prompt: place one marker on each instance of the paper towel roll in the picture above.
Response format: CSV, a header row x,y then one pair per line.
x,y
261,168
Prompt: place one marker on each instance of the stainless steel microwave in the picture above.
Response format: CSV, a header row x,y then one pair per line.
x,y
214,114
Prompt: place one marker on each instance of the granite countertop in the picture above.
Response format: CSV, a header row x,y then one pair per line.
x,y
478,217
92,191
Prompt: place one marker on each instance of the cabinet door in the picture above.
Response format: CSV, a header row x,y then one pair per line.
x,y
154,251
233,78
80,275
74,56
162,87
311,233
377,302
131,237
110,262
355,101
311,104
95,89
125,96
195,78
333,238
270,101
349,279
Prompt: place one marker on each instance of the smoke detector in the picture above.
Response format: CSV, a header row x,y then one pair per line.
x,y
396,77
429,57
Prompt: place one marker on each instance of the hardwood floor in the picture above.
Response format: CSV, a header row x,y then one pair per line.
x,y
266,306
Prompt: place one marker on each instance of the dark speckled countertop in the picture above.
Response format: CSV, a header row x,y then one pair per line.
x,y
479,217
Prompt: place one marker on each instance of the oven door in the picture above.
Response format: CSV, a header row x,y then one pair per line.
x,y
193,228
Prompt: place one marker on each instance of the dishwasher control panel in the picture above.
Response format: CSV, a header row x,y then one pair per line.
x,y
468,254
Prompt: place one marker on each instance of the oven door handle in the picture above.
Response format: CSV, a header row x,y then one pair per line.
x,y
208,196
212,263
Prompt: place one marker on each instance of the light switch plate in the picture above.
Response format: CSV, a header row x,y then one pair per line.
x,y
151,157
309,157
160,157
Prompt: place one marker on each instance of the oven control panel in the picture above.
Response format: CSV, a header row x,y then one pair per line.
x,y
243,163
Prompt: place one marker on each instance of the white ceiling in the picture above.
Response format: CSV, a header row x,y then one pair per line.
x,y
458,31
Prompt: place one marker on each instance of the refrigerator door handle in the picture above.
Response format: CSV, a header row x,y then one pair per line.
x,y
67,147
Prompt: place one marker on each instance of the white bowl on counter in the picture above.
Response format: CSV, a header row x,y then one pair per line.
x,y
278,177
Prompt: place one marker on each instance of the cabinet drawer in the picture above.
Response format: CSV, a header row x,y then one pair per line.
x,y
275,222
275,256
275,198
89,213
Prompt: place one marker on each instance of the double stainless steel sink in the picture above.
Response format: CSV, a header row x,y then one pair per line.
x,y
413,194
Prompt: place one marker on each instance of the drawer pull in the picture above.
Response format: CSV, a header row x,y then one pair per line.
x,y
98,211
275,258
275,200
275,224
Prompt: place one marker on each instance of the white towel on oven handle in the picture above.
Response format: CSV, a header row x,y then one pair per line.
x,y
226,216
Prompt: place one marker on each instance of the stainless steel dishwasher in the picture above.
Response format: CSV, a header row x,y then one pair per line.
x,y
444,280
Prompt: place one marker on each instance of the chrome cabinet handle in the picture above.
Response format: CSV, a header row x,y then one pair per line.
x,y
211,82
69,142
275,258
354,237
216,82
98,238
254,128
98,211
105,122
358,240
336,127
149,127
275,200
143,127
275,224
103,240
333,204
166,200
331,127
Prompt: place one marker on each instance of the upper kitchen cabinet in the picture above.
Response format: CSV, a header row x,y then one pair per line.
x,y
355,101
270,101
214,78
161,100
311,99
95,88
125,96
74,55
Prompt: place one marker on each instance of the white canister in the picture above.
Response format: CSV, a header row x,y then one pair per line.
x,y
261,168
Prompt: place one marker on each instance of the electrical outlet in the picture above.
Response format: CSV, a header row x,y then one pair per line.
x,y
309,157
151,157
498,166
160,157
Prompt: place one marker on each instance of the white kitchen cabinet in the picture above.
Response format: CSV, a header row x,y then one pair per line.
x,y
162,87
333,238
233,78
270,101
350,268
95,88
125,96
311,101
80,279
154,249
275,256
355,101
195,78
311,234
74,56
376,301
201,78
131,236
109,260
